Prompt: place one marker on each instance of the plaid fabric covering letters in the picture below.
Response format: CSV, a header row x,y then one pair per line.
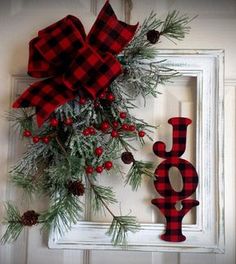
x,y
73,63
167,205
179,139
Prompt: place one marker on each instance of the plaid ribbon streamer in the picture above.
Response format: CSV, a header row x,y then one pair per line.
x,y
73,63
167,205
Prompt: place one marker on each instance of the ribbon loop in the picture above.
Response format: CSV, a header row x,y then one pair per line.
x,y
88,64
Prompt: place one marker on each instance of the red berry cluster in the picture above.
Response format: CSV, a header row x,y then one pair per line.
x,y
115,127
36,139
106,127
107,96
89,131
99,169
54,122
130,127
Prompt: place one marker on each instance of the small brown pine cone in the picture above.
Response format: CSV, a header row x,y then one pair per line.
x,y
127,157
76,188
153,36
126,71
29,218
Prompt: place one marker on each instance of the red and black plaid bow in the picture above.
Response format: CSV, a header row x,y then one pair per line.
x,y
72,62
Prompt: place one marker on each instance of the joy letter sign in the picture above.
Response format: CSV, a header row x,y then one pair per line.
x,y
167,204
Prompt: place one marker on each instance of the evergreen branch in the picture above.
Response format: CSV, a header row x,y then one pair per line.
x,y
63,212
120,227
14,225
176,26
24,182
21,119
138,169
102,196
139,42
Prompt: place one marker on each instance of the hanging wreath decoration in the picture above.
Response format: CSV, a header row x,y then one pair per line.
x,y
78,121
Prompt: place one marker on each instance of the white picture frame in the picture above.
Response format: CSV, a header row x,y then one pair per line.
x,y
207,235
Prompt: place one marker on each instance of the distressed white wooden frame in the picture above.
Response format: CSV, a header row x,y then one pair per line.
x,y
207,235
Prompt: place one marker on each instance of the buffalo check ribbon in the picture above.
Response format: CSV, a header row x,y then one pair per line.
x,y
73,63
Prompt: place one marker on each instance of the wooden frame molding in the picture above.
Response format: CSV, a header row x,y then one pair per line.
x,y
207,235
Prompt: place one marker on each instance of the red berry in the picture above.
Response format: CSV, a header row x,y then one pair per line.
x,y
98,151
86,132
36,139
114,134
141,133
68,121
27,133
102,95
105,126
110,97
54,122
96,104
99,169
132,128
89,170
125,126
115,124
123,115
108,165
46,139
91,130
82,101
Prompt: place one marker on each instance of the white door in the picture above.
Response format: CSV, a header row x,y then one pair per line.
x,y
214,28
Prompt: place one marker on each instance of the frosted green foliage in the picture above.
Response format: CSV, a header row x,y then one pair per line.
x,y
120,227
13,219
139,169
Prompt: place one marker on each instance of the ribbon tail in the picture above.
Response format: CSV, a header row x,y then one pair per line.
x,y
108,34
46,96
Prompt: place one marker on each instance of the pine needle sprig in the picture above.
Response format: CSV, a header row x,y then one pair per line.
x,y
101,195
176,26
139,42
21,119
14,225
32,158
62,214
24,182
120,227
137,171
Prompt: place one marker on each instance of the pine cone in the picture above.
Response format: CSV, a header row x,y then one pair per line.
x,y
126,71
127,157
29,218
153,36
76,188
